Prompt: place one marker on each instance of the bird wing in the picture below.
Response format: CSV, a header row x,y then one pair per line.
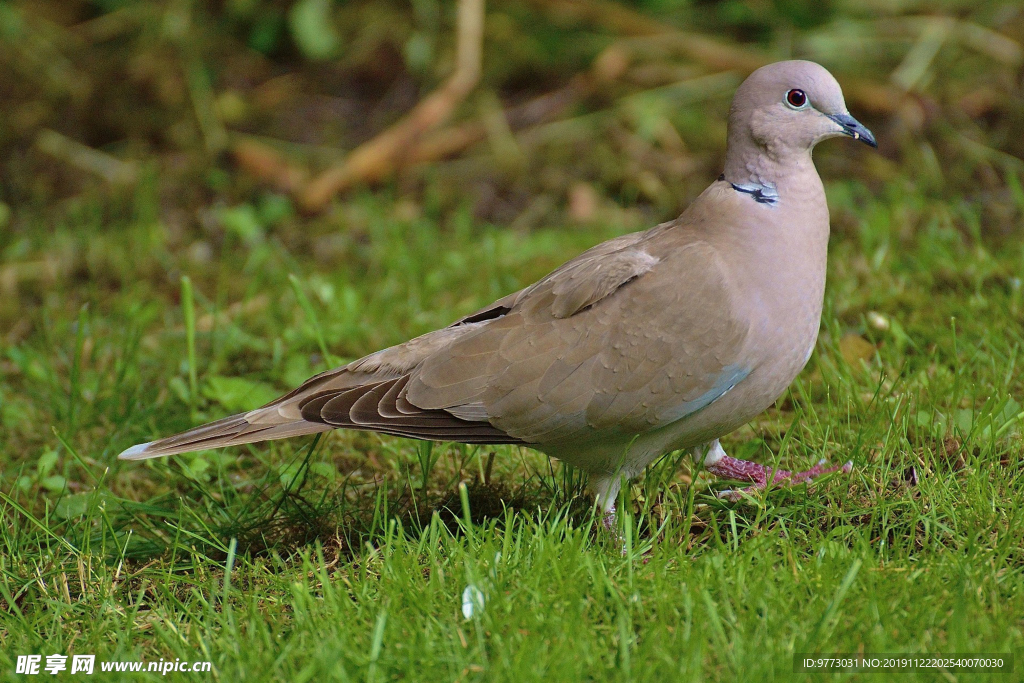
x,y
629,335
629,340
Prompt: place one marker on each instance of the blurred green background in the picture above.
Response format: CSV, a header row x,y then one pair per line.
x,y
169,96
141,142
204,203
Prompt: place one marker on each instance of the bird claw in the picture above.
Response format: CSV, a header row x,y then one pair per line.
x,y
743,470
731,495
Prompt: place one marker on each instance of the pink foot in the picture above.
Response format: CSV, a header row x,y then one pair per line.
x,y
728,467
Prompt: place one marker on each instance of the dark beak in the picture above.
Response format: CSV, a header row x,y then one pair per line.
x,y
854,128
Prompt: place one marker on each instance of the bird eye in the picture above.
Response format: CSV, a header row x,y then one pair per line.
x,y
796,98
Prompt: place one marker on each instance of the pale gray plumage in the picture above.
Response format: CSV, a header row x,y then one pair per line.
x,y
650,342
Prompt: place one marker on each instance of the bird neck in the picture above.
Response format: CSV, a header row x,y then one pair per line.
x,y
766,169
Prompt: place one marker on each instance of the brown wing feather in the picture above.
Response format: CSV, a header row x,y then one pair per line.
x,y
357,396
349,408
626,357
580,350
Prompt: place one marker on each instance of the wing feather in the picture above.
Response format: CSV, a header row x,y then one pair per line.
x,y
584,350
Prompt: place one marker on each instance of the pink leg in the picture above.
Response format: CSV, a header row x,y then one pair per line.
x,y
611,525
727,467
609,522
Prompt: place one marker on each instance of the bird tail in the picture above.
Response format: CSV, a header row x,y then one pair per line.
x,y
230,431
357,396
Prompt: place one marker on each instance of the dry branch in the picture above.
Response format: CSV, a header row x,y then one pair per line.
x,y
713,53
451,141
268,165
410,141
380,156
620,19
85,158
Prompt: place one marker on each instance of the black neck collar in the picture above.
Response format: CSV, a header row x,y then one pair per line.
x,y
762,194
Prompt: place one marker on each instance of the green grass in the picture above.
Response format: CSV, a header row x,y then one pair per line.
x,y
347,558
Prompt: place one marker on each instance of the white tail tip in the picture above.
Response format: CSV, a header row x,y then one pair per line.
x,y
135,452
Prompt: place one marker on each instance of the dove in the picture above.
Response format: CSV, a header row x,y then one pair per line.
x,y
652,342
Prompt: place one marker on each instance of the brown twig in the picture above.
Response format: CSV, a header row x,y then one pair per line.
x,y
36,48
380,156
451,141
85,158
410,141
622,20
716,54
268,165
114,24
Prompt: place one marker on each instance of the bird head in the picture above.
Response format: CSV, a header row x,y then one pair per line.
x,y
790,107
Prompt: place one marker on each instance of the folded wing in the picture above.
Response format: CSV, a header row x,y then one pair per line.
x,y
629,336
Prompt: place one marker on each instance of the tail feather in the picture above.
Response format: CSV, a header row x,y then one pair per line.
x,y
231,431
376,405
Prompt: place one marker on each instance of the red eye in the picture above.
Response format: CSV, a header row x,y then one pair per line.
x,y
796,98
